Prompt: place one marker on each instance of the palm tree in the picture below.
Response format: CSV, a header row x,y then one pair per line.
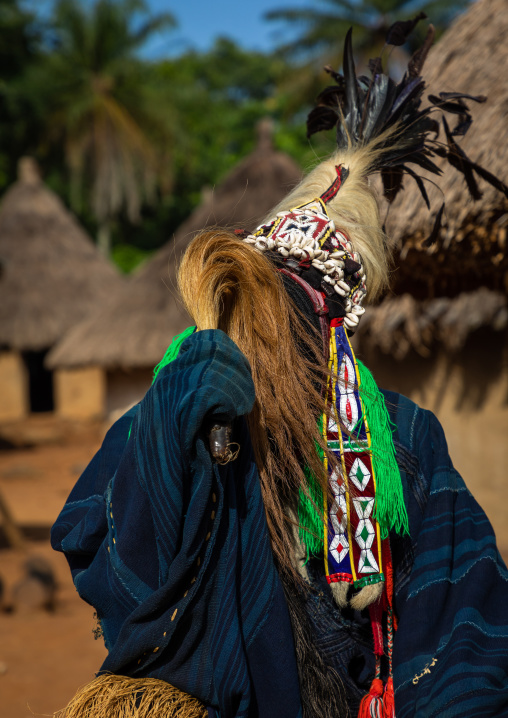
x,y
325,22
99,107
20,40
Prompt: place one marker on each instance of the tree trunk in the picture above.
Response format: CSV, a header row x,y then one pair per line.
x,y
11,530
104,238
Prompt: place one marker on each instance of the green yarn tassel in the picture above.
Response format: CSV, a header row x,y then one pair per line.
x,y
310,516
310,510
173,350
171,353
390,510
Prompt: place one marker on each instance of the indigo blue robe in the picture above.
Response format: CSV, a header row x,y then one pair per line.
x,y
173,553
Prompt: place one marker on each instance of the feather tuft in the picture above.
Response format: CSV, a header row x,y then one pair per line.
x,y
392,119
434,235
399,32
415,65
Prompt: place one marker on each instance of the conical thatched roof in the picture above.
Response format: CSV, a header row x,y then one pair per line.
x,y
137,328
471,57
52,275
401,324
446,292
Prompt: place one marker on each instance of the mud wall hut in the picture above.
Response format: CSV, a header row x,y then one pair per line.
x,y
440,336
130,336
51,277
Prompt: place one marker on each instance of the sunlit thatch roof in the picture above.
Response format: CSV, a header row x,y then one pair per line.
x,y
136,329
459,284
401,324
52,275
471,57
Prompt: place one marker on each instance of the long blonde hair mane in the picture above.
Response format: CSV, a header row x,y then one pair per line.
x,y
354,209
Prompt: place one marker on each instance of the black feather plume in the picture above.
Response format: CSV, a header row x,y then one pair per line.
x,y
361,109
399,32
420,184
490,178
392,181
331,96
461,96
433,236
321,118
415,64
351,109
463,124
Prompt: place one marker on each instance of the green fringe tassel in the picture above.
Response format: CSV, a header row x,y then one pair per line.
x,y
310,516
171,353
310,510
173,350
390,510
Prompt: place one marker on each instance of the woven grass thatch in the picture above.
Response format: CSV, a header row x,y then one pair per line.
x,y
446,292
137,328
52,275
401,324
472,56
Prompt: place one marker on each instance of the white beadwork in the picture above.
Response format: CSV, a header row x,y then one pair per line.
x,y
300,234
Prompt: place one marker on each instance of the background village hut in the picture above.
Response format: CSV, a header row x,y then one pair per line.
x,y
440,336
130,336
51,277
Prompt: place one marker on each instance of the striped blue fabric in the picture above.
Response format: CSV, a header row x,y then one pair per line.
x,y
451,648
173,552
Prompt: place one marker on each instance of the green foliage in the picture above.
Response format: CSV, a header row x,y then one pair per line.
x,y
128,258
213,101
131,144
221,95
20,38
92,85
322,25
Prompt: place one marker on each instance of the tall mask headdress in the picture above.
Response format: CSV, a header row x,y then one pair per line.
x,y
307,243
351,529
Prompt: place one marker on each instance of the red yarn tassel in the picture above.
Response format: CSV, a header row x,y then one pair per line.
x,y
380,701
372,704
388,571
376,617
389,700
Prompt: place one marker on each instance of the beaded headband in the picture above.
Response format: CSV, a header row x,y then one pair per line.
x,y
305,241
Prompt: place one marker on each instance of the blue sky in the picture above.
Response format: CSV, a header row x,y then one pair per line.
x,y
201,21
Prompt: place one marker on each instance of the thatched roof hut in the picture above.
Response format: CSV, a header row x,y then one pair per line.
x,y
52,275
471,57
136,329
470,253
446,318
400,324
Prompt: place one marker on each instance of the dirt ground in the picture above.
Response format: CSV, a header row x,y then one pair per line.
x,y
45,656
